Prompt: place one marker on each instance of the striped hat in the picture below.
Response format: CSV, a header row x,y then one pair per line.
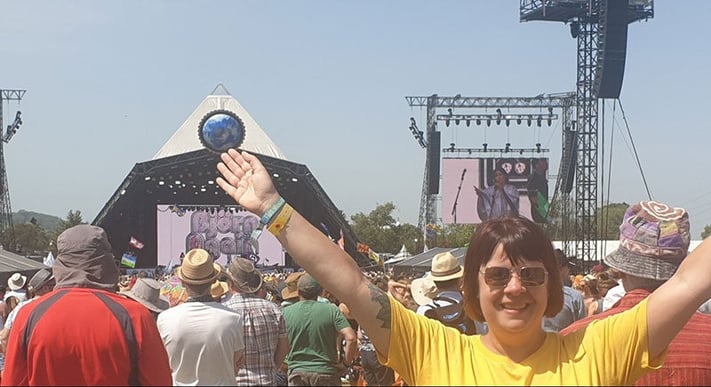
x,y
654,239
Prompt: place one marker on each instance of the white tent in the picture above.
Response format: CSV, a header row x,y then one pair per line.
x,y
402,255
185,139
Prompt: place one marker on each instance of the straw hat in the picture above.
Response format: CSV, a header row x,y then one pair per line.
x,y
247,278
445,267
198,268
219,289
423,290
291,290
147,292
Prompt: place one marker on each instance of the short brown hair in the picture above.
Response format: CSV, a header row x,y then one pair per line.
x,y
521,239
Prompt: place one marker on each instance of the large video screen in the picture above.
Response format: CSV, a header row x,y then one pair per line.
x,y
223,232
477,189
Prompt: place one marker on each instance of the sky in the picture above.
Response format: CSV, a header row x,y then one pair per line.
x,y
109,82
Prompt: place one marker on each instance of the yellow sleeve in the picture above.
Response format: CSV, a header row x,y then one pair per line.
x,y
419,343
620,346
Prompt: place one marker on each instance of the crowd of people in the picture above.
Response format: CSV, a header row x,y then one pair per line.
x,y
515,312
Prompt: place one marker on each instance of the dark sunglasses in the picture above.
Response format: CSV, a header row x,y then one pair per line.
x,y
499,277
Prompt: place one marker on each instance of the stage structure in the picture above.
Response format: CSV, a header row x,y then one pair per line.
x,y
179,183
523,111
600,27
6,225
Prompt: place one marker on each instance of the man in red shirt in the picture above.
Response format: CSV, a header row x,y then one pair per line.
x,y
83,332
654,239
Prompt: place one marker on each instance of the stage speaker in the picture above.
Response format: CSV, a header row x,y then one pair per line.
x,y
568,161
434,149
612,48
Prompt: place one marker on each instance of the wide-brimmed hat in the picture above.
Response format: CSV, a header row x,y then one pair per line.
x,y
445,267
147,292
16,281
198,268
247,278
219,289
291,290
41,278
654,239
423,290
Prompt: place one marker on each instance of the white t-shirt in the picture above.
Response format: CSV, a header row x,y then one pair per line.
x,y
201,339
613,295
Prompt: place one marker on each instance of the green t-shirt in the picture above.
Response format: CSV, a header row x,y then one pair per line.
x,y
313,334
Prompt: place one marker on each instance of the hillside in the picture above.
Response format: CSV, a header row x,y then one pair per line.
x,y
47,222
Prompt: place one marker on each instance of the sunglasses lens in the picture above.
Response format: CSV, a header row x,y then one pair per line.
x,y
533,276
497,276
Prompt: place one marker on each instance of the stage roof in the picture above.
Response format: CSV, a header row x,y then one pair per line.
x,y
186,177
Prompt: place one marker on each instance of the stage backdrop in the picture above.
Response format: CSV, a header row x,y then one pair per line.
x,y
223,233
479,172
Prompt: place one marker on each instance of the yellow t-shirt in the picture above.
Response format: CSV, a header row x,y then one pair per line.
x,y
612,351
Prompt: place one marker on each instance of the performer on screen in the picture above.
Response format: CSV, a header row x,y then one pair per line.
x,y
499,199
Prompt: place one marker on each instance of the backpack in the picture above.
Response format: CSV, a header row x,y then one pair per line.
x,y
451,315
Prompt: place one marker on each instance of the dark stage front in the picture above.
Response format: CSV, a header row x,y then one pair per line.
x,y
189,179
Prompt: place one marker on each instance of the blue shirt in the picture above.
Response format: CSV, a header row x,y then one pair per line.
x,y
573,310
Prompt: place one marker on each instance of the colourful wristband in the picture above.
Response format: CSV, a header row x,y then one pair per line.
x,y
269,214
281,219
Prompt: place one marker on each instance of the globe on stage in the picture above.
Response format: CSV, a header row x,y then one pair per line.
x,y
221,130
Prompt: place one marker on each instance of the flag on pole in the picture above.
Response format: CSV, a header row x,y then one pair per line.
x,y
128,260
135,243
375,257
363,248
49,259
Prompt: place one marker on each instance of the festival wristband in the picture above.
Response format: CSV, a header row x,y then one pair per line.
x,y
269,214
281,219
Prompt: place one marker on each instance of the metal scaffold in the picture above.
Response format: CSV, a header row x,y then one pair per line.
x,y
6,226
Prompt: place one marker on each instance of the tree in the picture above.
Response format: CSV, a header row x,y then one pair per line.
x,y
706,232
74,218
378,229
609,218
30,239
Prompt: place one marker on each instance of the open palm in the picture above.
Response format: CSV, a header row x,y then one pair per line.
x,y
246,180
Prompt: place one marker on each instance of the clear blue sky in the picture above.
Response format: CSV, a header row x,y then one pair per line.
x,y
109,82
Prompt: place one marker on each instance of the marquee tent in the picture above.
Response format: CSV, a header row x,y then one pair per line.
x,y
12,263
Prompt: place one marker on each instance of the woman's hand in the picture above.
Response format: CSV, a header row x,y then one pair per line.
x,y
246,180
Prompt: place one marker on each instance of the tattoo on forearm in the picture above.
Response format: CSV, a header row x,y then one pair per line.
x,y
377,295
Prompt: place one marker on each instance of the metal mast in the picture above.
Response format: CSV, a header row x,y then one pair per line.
x,y
588,24
564,101
6,226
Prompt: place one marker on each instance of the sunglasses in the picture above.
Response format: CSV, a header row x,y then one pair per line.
x,y
499,277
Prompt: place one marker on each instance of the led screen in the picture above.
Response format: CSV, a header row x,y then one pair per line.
x,y
224,233
470,193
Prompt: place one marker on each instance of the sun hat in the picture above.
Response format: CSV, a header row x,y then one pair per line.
x,y
291,290
41,278
146,291
423,289
654,239
219,289
445,267
198,268
247,278
16,281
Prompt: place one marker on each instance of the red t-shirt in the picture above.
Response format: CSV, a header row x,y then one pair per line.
x,y
688,360
77,340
